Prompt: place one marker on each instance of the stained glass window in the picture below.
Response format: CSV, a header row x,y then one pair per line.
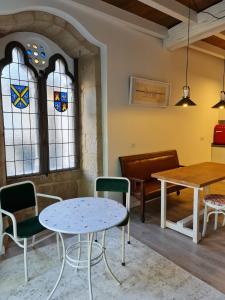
x,y
61,118
20,116
37,54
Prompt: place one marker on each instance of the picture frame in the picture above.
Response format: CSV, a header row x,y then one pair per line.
x,y
148,92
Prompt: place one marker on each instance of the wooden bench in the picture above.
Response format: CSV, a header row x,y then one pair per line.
x,y
138,168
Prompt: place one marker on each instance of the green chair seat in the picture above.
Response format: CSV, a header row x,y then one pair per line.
x,y
27,228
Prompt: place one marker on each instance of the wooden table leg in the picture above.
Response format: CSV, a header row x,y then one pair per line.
x,y
196,235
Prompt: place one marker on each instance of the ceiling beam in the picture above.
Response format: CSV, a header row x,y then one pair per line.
x,y
120,16
206,26
173,9
208,49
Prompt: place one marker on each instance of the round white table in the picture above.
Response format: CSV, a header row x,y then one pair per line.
x,y
85,215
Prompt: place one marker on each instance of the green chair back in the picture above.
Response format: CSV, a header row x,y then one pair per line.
x,y
17,197
112,185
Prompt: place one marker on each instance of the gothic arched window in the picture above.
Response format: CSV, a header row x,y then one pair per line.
x,y
20,116
40,114
61,118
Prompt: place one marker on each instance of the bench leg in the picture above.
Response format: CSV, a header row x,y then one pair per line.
x,y
178,193
142,210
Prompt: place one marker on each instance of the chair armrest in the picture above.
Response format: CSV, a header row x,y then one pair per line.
x,y
12,217
49,196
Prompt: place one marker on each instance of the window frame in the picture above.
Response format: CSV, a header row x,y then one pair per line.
x,y
41,77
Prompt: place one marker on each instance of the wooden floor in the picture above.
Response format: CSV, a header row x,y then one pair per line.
x,y
205,260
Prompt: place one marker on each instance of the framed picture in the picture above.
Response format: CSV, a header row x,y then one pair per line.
x,y
148,92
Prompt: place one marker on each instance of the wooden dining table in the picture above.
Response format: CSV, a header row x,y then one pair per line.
x,y
197,177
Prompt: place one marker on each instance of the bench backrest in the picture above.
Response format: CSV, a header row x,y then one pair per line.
x,y
143,165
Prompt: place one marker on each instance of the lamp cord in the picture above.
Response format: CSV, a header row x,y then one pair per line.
x,y
223,74
187,61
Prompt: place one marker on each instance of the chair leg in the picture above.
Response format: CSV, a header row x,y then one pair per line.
x,y
123,246
142,210
96,237
128,231
58,247
2,248
224,220
33,241
25,260
205,221
216,220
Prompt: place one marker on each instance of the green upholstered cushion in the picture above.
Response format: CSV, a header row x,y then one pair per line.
x,y
17,197
27,228
112,185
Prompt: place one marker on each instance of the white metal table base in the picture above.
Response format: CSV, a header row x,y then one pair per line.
x,y
87,263
179,226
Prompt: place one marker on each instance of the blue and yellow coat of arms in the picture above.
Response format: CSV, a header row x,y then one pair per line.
x,y
19,95
60,101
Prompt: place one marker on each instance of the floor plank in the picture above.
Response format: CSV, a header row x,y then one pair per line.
x,y
205,260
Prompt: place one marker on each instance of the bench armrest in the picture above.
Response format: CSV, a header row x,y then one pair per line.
x,y
134,181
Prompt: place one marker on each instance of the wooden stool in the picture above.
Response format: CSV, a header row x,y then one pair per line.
x,y
217,202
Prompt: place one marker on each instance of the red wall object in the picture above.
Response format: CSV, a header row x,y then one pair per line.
x,y
219,134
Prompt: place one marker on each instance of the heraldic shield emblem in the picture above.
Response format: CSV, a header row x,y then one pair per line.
x,y
19,95
60,101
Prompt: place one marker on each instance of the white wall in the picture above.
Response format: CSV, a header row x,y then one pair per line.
x,y
139,129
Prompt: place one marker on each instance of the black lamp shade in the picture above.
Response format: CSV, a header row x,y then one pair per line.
x,y
221,103
185,101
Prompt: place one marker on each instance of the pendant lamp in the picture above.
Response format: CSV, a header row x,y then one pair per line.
x,y
221,103
185,100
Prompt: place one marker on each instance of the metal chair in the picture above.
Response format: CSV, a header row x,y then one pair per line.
x,y
121,185
217,203
16,197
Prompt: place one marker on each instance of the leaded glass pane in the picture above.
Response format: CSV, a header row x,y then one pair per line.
x,y
66,164
59,135
26,121
9,137
21,116
23,74
5,88
19,167
36,165
18,136
5,72
10,167
7,105
19,153
60,94
9,153
59,163
14,71
28,166
8,121
53,164
17,120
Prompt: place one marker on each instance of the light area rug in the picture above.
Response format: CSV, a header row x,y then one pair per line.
x,y
146,276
